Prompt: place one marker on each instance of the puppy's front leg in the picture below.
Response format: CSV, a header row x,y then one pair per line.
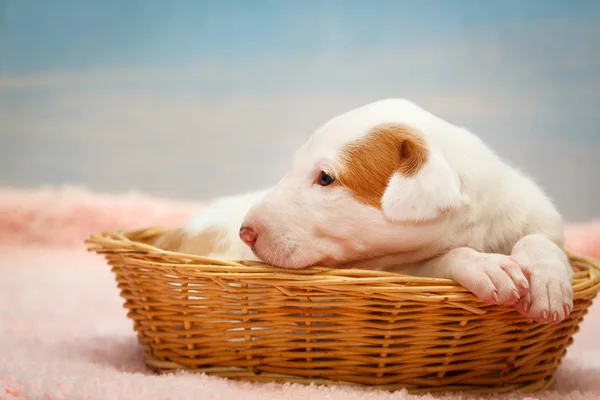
x,y
550,295
493,278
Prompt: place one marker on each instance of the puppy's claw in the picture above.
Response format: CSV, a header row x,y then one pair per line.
x,y
524,285
495,296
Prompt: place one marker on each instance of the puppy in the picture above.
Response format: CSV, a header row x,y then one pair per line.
x,y
393,187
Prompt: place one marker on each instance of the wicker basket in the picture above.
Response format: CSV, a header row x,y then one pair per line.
x,y
250,321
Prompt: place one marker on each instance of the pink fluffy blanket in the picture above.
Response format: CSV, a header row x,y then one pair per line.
x,y
64,333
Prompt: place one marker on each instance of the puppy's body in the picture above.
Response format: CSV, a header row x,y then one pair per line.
x,y
406,191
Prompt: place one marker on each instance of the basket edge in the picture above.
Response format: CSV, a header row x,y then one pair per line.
x,y
106,242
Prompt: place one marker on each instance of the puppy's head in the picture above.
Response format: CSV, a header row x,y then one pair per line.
x,y
367,183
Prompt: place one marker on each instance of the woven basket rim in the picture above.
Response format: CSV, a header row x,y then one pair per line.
x,y
586,276
128,241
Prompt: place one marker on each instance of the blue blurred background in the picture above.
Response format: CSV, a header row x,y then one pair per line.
x,y
194,99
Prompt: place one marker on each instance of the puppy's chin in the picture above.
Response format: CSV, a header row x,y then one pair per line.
x,y
284,258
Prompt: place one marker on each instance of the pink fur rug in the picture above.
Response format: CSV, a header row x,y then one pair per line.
x,y
64,333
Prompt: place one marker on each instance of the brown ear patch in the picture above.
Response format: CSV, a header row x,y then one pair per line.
x,y
370,162
201,244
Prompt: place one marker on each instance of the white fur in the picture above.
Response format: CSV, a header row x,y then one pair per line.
x,y
225,214
502,239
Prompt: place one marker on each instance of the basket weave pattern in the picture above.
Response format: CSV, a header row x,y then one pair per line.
x,y
251,321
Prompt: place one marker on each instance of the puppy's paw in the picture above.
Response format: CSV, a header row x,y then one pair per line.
x,y
493,278
549,299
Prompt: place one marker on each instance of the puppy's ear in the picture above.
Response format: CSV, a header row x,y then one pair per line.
x,y
424,186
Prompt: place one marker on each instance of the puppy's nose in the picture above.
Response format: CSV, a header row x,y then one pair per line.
x,y
248,235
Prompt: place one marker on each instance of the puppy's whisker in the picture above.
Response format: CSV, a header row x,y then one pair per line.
x,y
276,253
272,253
302,253
291,255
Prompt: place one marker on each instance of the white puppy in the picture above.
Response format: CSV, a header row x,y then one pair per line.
x,y
391,186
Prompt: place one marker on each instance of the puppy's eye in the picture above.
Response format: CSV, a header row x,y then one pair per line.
x,y
325,179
